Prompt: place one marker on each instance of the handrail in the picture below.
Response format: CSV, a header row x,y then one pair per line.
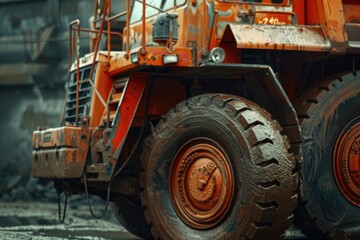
x,y
108,30
143,50
76,41
128,29
71,52
97,49
112,17
127,40
204,27
72,40
98,39
97,31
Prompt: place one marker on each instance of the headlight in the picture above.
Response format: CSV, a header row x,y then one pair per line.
x,y
134,57
170,58
217,55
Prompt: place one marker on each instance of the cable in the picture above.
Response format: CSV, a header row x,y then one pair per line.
x,y
89,204
126,161
62,219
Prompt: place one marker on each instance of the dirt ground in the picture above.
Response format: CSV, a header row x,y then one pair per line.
x,y
22,220
39,220
29,210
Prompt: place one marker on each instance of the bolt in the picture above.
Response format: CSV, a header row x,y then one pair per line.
x,y
201,184
142,51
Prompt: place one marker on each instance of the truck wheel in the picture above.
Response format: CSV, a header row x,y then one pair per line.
x,y
330,121
130,215
128,209
217,167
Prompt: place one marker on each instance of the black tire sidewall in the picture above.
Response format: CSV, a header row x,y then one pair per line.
x,y
204,123
130,215
333,113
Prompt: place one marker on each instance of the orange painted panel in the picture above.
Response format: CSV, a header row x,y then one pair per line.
x,y
299,9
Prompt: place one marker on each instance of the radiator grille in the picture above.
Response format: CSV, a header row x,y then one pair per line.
x,y
85,95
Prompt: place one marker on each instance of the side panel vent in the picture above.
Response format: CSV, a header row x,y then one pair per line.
x,y
85,95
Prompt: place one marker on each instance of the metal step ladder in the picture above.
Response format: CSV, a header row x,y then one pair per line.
x,y
101,149
115,98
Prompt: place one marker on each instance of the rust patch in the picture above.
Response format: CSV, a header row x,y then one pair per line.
x,y
279,37
60,152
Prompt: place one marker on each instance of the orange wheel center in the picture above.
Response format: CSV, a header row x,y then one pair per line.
x,y
347,162
201,184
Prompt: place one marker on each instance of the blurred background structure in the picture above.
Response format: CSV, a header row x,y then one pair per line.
x,y
33,75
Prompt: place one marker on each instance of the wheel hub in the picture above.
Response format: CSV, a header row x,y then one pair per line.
x,y
201,184
347,161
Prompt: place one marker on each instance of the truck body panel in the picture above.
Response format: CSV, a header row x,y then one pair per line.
x,y
212,83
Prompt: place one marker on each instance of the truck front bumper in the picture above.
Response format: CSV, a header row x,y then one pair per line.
x,y
60,153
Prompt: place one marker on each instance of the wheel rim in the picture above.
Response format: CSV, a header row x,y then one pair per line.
x,y
201,184
347,161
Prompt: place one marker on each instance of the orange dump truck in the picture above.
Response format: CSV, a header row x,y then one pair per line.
x,y
214,119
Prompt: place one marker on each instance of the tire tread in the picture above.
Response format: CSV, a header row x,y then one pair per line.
x,y
254,121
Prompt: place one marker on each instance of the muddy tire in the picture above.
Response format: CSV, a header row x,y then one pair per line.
x,y
329,116
128,209
130,215
217,167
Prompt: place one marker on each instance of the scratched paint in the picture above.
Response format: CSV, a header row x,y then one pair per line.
x,y
280,37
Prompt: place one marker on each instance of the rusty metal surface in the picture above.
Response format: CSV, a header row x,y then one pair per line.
x,y
60,152
202,27
305,38
333,21
57,137
201,184
154,56
57,163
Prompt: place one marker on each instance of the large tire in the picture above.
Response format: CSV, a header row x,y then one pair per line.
x,y
130,215
128,210
327,113
217,167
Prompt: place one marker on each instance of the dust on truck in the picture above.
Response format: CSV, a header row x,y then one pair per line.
x,y
214,119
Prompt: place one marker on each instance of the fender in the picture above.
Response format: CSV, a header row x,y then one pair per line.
x,y
266,91
263,84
